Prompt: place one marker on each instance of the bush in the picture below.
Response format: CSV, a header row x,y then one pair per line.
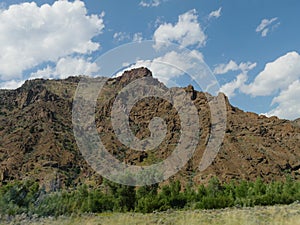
x,y
27,197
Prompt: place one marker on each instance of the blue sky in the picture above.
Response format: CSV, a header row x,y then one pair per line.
x,y
252,47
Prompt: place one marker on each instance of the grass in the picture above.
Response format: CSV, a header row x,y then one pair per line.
x,y
275,215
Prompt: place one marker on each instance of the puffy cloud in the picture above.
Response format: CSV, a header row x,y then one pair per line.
x,y
247,66
264,25
166,67
66,67
215,14
233,66
288,104
11,84
225,68
75,66
151,3
186,32
46,73
283,77
276,76
34,34
279,79
230,88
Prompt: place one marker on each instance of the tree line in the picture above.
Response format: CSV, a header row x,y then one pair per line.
x,y
27,197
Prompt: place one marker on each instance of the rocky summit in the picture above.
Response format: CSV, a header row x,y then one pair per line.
x,y
37,140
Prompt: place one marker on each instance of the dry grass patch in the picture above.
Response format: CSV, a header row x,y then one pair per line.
x,y
275,215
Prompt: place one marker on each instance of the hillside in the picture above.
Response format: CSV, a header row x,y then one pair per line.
x,y
37,141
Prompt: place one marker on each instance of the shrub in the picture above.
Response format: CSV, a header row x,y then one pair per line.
x,y
28,197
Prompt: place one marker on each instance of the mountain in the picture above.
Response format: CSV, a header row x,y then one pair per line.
x,y
37,140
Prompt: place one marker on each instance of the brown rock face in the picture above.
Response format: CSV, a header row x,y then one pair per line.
x,y
37,141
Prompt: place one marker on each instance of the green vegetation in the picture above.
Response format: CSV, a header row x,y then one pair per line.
x,y
29,198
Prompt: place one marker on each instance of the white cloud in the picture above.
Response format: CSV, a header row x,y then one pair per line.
x,y
264,25
151,3
276,76
34,34
46,73
215,14
237,84
197,55
66,67
230,88
12,84
288,102
247,66
225,68
233,66
75,66
137,37
186,32
121,36
159,20
279,79
166,67
265,32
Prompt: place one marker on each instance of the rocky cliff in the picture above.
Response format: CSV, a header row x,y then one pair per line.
x,y
37,141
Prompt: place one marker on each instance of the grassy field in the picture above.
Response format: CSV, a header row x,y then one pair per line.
x,y
277,215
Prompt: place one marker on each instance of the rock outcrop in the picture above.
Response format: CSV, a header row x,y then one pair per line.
x,y
37,141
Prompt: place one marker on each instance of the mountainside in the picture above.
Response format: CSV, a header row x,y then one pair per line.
x,y
37,140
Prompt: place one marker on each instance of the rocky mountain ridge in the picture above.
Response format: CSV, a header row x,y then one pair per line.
x,y
37,141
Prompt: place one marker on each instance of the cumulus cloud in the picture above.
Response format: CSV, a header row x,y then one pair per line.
x,y
215,14
166,67
288,104
225,68
34,35
238,83
186,32
66,67
276,76
151,3
279,79
265,25
233,66
11,84
244,67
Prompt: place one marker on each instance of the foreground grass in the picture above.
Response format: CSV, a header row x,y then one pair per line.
x,y
259,215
